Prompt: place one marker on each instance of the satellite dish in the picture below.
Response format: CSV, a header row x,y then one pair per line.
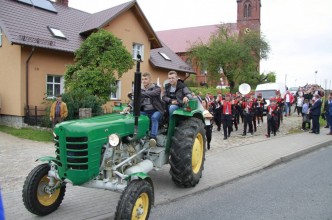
x,y
247,30
244,88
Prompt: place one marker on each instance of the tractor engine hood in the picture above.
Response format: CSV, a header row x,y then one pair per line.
x,y
101,126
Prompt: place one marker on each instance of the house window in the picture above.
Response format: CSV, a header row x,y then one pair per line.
x,y
117,94
0,37
54,86
138,49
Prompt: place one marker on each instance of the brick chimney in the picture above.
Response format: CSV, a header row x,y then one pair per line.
x,y
62,2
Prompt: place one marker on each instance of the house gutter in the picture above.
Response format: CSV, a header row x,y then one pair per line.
x,y
27,78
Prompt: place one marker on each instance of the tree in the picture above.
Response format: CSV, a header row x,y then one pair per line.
x,y
101,59
266,78
236,57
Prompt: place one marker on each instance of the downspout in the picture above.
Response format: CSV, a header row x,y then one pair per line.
x,y
27,79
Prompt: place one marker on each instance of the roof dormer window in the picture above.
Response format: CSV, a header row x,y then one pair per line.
x,y
57,33
165,56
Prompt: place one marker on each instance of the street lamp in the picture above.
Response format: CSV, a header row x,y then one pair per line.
x,y
316,76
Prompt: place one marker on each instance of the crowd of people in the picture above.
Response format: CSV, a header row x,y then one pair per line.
x,y
229,110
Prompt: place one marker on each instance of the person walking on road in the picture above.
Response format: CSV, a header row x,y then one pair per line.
x,y
208,124
315,112
329,115
226,115
272,117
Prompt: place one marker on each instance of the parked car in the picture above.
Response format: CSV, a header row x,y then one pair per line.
x,y
269,90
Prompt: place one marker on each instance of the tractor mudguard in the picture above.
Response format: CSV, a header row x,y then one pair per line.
x,y
48,159
141,176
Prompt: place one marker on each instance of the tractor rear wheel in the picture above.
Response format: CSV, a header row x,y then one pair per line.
x,y
135,202
35,198
188,152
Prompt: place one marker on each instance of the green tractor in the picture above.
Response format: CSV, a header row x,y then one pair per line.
x,y
114,152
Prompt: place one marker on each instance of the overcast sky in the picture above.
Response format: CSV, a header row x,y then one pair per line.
x,y
299,32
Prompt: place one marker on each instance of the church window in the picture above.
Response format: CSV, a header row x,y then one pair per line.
x,y
247,9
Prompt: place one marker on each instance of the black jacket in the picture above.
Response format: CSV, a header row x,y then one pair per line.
x,y
180,92
153,92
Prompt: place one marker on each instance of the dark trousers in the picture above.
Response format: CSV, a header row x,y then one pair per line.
x,y
279,119
259,114
247,122
299,110
254,122
315,123
271,125
208,133
227,125
237,118
217,118
235,122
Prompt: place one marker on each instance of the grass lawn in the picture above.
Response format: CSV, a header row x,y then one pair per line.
x,y
28,133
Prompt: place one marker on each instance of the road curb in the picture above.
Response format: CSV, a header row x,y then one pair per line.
x,y
300,153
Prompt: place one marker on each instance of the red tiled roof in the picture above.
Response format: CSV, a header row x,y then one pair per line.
x,y
180,40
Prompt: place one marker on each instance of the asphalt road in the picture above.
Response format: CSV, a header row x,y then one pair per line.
x,y
299,189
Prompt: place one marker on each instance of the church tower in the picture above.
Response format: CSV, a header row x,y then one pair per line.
x,y
248,15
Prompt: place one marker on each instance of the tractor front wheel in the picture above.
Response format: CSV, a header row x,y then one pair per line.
x,y
188,152
37,197
135,202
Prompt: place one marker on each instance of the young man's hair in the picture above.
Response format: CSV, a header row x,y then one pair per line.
x,y
172,72
146,74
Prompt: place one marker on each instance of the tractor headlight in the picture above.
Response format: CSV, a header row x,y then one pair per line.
x,y
114,140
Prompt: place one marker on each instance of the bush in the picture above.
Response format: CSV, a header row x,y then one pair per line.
x,y
81,98
212,90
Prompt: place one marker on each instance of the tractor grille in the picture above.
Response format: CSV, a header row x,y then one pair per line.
x,y
77,153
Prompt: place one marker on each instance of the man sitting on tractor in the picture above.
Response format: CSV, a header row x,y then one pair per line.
x,y
151,103
176,93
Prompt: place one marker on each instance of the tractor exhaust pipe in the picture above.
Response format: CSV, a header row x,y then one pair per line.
x,y
137,96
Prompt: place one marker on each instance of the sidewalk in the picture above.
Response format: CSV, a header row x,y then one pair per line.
x,y
221,166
